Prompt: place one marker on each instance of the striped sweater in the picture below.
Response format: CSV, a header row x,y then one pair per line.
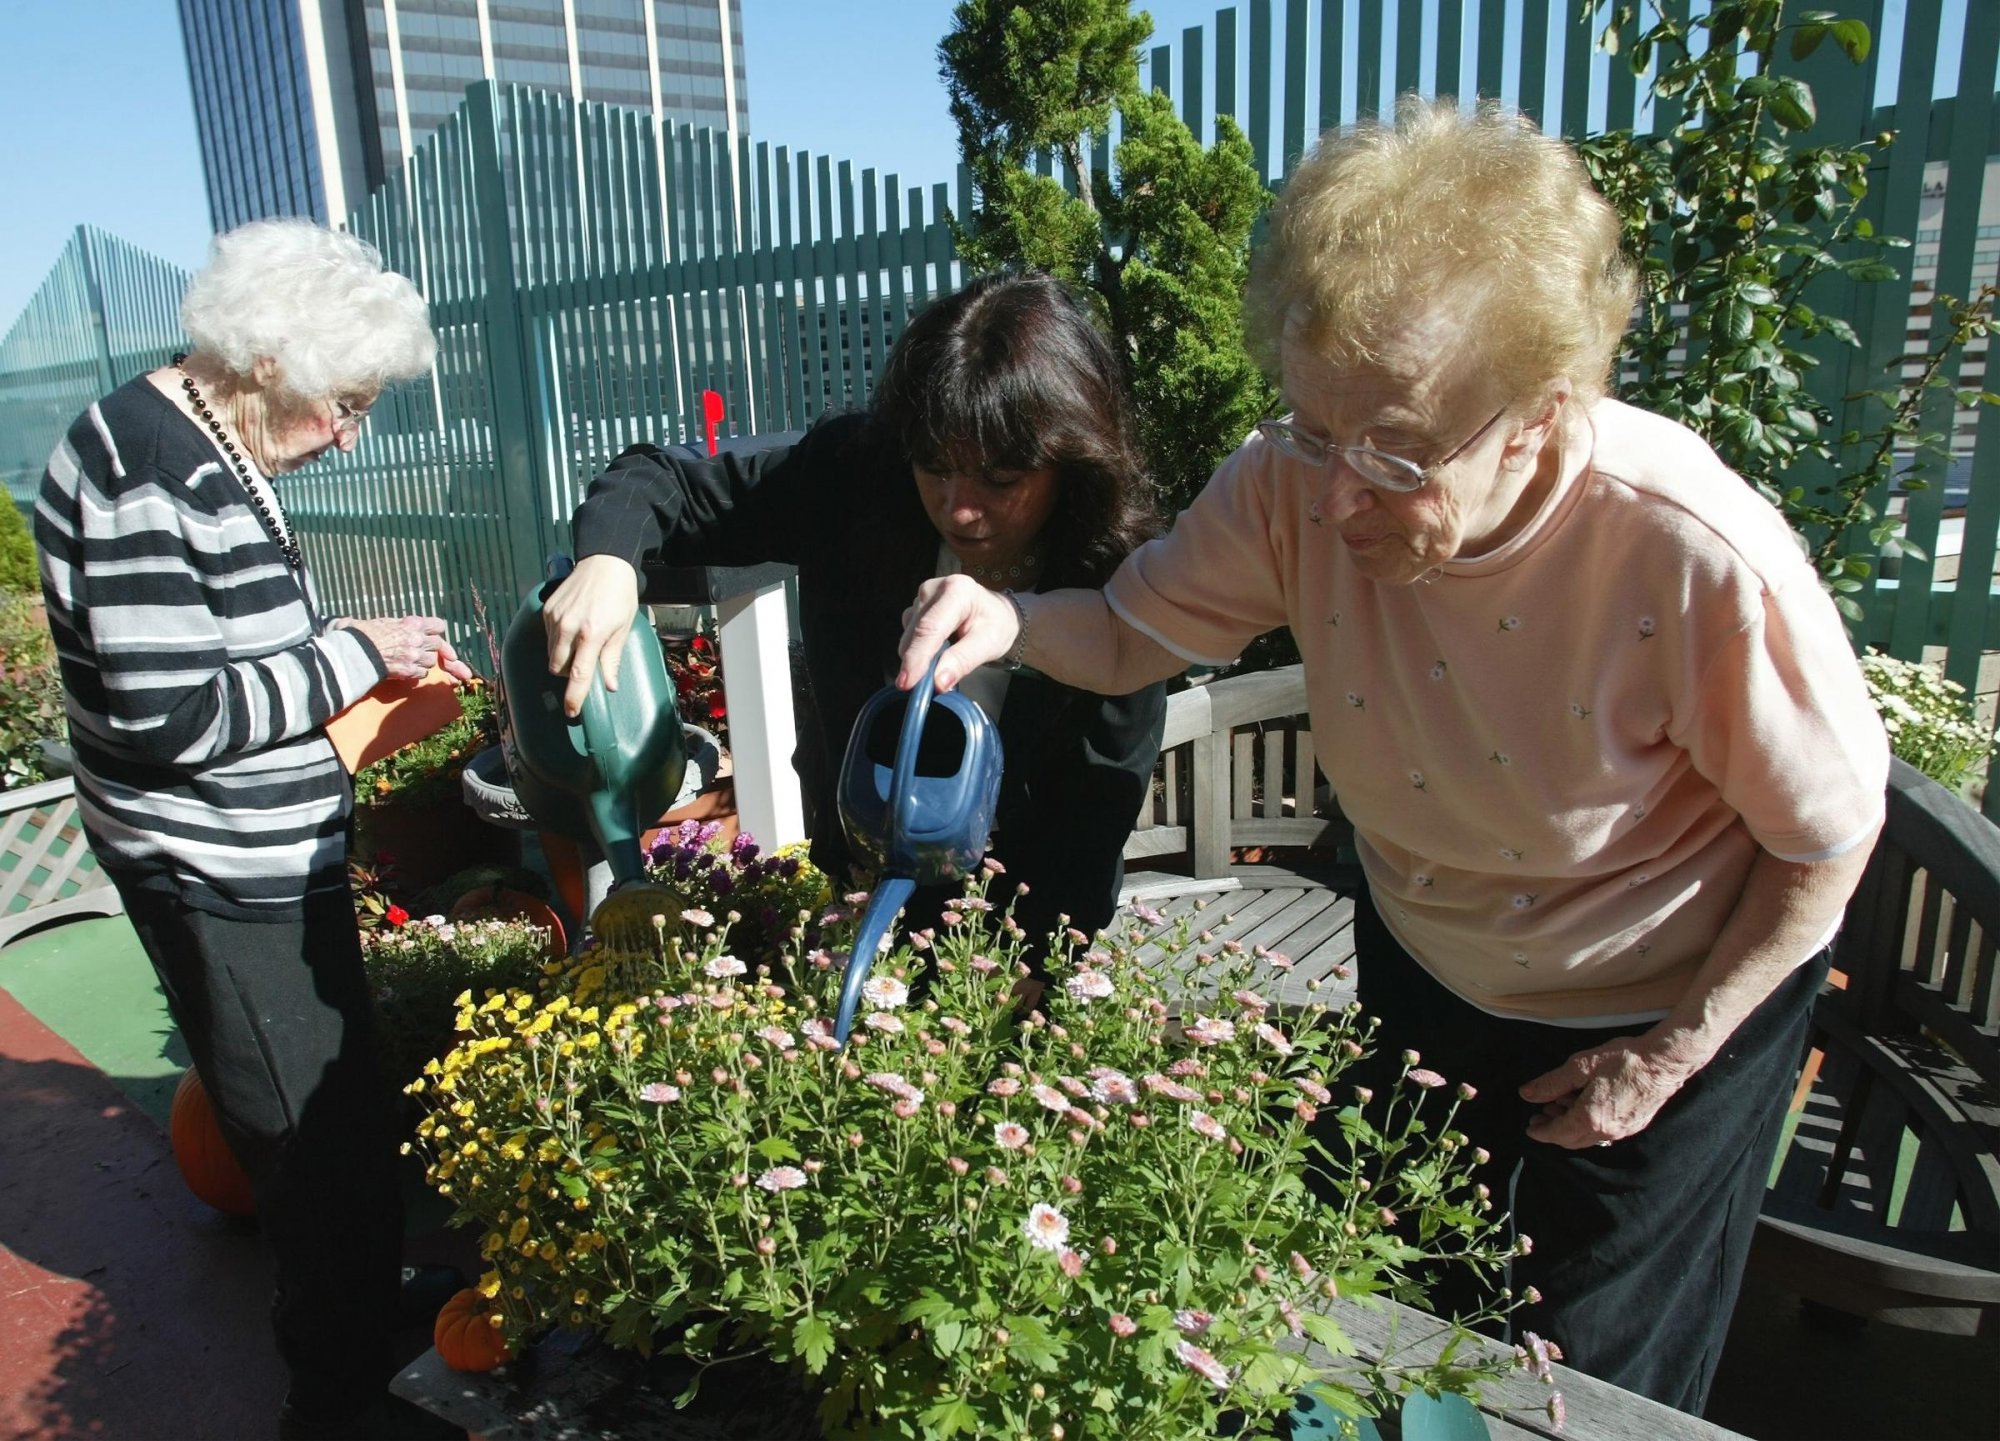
x,y
198,669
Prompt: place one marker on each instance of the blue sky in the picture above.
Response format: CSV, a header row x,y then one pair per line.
x,y
94,98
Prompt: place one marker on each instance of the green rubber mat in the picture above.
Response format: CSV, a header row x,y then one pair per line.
x,y
90,983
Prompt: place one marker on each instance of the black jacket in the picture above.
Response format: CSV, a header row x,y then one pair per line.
x,y
841,505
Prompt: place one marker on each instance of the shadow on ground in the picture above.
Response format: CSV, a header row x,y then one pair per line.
x,y
132,1310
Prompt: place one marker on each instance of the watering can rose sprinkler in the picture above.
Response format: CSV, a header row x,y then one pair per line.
x,y
919,818
607,774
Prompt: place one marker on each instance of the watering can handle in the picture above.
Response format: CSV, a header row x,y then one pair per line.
x,y
907,746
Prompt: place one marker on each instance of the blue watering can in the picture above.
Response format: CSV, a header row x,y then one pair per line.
x,y
920,819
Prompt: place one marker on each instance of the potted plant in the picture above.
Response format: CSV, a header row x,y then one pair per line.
x,y
418,966
409,805
1102,1218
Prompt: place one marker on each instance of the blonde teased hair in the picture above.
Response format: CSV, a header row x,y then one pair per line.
x,y
1480,214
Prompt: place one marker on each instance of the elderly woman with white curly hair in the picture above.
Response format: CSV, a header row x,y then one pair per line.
x,y
200,673
1611,766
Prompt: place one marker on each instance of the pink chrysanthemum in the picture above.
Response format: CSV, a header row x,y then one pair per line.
x,y
1049,1098
659,1093
698,918
1113,1088
1086,986
1276,1039
782,1178
1429,1080
1211,1031
1046,1228
723,966
1192,1323
1204,1124
1010,1135
885,992
1203,1364
1122,1325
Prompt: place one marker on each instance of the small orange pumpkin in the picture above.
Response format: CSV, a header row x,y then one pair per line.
x,y
206,1163
467,1334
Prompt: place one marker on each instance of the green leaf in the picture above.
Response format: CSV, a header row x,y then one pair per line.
x,y
776,1148
949,1417
1326,1331
1806,39
1792,103
1030,1340
1853,38
812,1338
1275,1373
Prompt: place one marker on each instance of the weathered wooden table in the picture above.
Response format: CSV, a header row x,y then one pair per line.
x,y
577,1392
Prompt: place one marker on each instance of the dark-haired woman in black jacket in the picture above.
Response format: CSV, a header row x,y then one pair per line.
x,y
1000,443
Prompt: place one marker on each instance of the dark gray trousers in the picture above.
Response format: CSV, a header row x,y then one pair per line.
x,y
277,1018
1639,1247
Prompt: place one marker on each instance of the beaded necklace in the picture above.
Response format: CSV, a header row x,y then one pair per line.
x,y
279,531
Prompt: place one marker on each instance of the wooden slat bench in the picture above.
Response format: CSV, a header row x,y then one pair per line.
x,y
1887,1200
1237,771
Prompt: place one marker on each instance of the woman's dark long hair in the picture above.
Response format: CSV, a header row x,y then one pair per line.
x,y
1010,373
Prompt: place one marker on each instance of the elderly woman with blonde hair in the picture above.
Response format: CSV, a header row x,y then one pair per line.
x,y
200,672
1611,766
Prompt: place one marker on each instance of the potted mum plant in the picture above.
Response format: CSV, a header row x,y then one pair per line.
x,y
1104,1218
409,805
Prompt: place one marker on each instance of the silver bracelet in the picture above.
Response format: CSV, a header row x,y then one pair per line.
x,y
1012,660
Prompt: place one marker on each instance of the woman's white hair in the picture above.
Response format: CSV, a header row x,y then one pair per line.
x,y
316,301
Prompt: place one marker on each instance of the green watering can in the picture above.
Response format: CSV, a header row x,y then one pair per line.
x,y
605,776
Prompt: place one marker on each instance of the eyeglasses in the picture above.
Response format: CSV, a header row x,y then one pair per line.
x,y
348,417
1387,472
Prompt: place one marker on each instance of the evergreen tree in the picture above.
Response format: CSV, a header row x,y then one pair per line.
x,y
1162,246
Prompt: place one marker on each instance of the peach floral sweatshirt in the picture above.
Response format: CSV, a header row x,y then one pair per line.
x,y
1560,757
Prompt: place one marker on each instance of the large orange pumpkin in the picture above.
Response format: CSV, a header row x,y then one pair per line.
x,y
467,1334
206,1163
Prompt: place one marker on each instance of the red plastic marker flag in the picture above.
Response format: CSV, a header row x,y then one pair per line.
x,y
711,415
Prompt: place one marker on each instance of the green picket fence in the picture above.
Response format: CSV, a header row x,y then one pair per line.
x,y
590,274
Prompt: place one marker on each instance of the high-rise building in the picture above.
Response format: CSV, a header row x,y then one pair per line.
x,y
303,106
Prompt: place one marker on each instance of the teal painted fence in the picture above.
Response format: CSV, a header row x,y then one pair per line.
x,y
590,274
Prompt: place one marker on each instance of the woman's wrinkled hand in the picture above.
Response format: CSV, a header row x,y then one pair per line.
x,y
981,626
1606,1093
410,645
587,620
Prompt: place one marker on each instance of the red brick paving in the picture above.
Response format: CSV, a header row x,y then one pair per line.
x,y
128,1310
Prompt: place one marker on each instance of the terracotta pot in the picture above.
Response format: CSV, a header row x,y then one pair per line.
x,y
499,903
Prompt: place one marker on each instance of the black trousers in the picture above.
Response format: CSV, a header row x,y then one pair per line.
x,y
1638,1247
277,1018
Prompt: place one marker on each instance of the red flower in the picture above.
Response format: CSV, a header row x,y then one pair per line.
x,y
701,645
397,916
717,710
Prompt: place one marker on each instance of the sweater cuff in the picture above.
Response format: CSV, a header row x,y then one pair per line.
x,y
357,665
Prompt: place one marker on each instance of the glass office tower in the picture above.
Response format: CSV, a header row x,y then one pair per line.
x,y
303,106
